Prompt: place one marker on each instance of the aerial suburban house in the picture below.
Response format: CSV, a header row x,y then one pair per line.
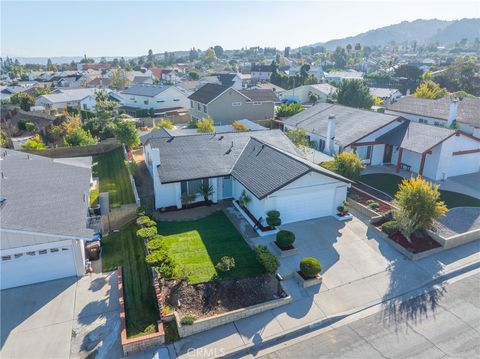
x,y
44,209
386,94
160,98
303,94
82,98
226,104
442,112
264,165
338,76
383,139
260,73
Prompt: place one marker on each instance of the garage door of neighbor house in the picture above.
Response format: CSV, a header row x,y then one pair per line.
x,y
464,164
26,266
300,207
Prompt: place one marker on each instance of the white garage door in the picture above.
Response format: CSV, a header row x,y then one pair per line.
x,y
26,266
464,164
300,207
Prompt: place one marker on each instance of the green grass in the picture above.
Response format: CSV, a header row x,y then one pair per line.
x,y
114,178
197,246
124,249
389,183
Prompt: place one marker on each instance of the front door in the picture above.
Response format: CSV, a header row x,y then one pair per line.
x,y
387,154
227,187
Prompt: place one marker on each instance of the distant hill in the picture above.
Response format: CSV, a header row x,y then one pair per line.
x,y
422,31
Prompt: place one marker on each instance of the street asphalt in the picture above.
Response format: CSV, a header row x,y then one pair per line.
x,y
443,323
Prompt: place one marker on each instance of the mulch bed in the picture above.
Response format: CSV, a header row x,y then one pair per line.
x,y
306,277
362,198
190,206
257,223
284,248
217,297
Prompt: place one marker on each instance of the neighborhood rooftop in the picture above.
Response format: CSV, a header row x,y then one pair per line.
x,y
145,90
207,93
44,195
351,124
70,95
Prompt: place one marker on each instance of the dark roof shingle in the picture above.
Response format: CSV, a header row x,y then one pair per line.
x,y
207,93
262,95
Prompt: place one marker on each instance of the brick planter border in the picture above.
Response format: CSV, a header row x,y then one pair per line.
x,y
284,253
143,342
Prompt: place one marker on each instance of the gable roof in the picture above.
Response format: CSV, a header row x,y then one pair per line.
x,y
214,155
351,124
226,79
67,95
145,90
416,137
467,111
44,195
207,93
260,95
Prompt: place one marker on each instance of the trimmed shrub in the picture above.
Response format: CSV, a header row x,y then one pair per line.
x,y
267,259
167,268
226,264
390,227
156,258
388,216
285,239
310,267
273,218
147,233
145,221
156,243
273,214
188,320
373,205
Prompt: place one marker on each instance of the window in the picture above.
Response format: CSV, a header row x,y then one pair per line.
x,y
65,249
18,255
369,152
54,250
235,104
364,152
198,106
145,102
422,120
204,108
176,99
191,103
256,103
43,251
159,101
6,258
193,186
436,123
321,145
30,253
132,98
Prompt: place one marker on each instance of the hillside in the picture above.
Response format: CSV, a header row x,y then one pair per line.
x,y
422,31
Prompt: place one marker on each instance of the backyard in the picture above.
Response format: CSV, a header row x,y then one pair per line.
x,y
124,249
389,183
113,176
197,246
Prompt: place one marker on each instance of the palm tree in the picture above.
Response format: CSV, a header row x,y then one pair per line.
x,y
206,191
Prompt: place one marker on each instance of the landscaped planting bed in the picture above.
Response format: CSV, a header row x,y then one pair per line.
x,y
363,198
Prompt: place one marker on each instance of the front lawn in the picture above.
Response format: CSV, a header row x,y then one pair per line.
x,y
113,177
124,249
197,246
389,183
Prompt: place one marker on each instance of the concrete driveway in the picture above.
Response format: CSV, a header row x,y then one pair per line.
x,y
66,318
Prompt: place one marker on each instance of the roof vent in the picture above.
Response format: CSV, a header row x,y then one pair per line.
x,y
230,149
3,201
220,138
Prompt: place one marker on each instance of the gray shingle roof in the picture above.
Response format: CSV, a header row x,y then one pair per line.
x,y
207,93
260,95
202,156
351,123
43,195
416,137
145,90
468,108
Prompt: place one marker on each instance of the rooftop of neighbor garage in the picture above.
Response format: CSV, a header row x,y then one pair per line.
x,y
44,195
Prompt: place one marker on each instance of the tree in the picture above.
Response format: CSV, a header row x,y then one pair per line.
x,y
194,75
354,93
119,79
24,100
358,47
430,90
205,125
304,72
286,53
34,143
349,48
339,56
102,124
79,137
150,56
209,56
285,110
193,54
126,132
299,137
218,50
41,91
419,204
463,75
410,77
165,123
346,164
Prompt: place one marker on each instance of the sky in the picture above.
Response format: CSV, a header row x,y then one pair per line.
x,y
125,28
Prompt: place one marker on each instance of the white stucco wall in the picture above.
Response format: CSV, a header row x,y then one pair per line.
x,y
171,97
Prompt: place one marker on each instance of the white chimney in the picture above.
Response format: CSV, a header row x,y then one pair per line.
x,y
329,144
452,115
408,92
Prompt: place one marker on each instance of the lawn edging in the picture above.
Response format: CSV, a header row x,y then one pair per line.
x,y
205,324
140,343
456,240
249,220
367,212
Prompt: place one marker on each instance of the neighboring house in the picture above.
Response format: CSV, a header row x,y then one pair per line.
x,y
260,73
83,98
387,95
235,80
225,104
44,208
147,80
11,116
442,112
384,139
156,97
302,94
338,76
98,67
171,76
268,86
264,165
100,83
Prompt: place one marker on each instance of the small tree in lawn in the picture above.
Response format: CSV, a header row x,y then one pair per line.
x,y
34,143
346,164
354,93
418,205
205,125
126,132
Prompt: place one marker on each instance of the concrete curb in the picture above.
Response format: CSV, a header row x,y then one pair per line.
x,y
347,317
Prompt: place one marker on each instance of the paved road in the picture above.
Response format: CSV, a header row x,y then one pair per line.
x,y
444,323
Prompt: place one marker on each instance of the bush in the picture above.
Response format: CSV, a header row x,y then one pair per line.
x,y
157,258
238,126
144,211
267,259
147,233
310,267
205,125
285,239
145,221
273,214
390,227
188,320
167,268
156,243
226,264
373,205
273,218
344,208
284,110
388,216
165,123
30,127
346,164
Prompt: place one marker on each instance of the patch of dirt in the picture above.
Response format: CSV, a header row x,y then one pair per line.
x,y
216,297
362,198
